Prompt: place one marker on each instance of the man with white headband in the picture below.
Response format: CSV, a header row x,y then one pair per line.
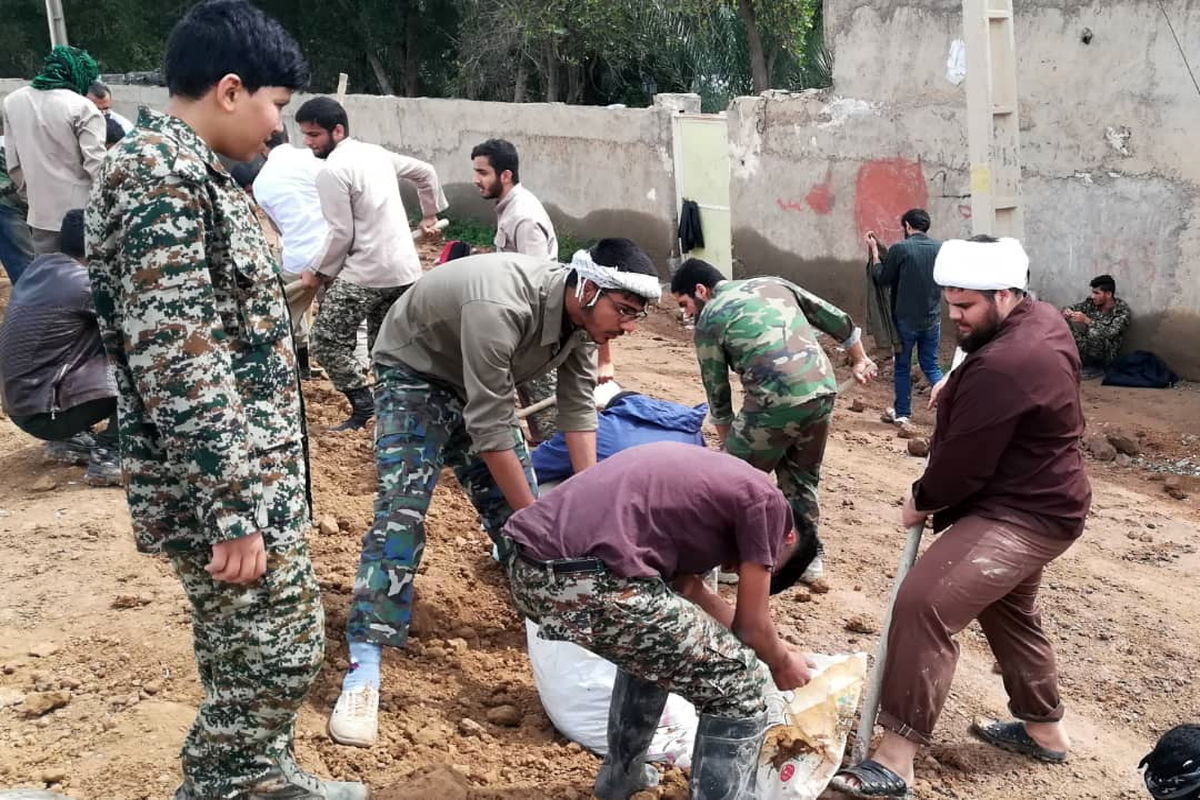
x,y
448,358
1006,487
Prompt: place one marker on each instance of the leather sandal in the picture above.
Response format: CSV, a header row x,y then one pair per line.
x,y
1013,737
873,780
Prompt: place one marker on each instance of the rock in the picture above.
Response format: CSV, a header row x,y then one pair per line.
x,y
152,688
1123,460
439,781
469,727
41,703
819,586
10,696
328,526
43,649
1097,444
464,632
1174,487
861,623
54,775
129,601
906,431
1125,444
858,406
506,715
918,448
457,645
46,483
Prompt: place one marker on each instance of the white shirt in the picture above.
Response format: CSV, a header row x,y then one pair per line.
x,y
54,142
523,226
286,188
369,243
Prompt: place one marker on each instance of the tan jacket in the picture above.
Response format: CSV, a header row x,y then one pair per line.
x,y
484,324
54,143
522,225
369,243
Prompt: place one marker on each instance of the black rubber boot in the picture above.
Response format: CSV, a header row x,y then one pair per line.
x,y
302,365
725,758
362,408
633,715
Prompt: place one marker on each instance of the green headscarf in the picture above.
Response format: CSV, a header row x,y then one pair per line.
x,y
67,68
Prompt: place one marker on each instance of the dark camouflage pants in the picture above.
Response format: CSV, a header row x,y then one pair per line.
x,y
258,647
335,331
646,629
1094,351
542,424
791,443
418,429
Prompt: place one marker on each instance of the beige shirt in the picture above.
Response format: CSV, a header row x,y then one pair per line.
x,y
485,323
54,143
522,225
369,243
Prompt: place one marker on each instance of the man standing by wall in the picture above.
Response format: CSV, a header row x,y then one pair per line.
x,y
212,428
368,258
449,356
907,270
763,329
1007,489
523,226
286,188
1098,325
54,141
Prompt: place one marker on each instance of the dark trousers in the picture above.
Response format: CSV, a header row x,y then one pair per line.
x,y
80,418
977,569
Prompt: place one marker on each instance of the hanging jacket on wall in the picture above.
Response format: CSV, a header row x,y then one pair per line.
x,y
691,236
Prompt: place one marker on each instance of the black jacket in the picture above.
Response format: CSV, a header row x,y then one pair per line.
x,y
907,270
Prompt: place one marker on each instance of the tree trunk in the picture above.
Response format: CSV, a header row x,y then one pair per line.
x,y
551,73
521,80
758,58
412,50
381,76
574,83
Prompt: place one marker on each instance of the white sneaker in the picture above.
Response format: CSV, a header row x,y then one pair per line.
x,y
890,416
355,718
814,571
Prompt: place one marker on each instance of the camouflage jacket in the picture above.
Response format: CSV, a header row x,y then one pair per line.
x,y
192,315
762,329
1101,341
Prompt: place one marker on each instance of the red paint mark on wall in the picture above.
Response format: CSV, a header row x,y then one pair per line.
x,y
885,189
964,209
820,197
788,205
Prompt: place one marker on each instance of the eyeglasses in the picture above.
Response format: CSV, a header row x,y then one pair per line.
x,y
626,312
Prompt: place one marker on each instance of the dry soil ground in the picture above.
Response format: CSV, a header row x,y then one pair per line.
x,y
82,613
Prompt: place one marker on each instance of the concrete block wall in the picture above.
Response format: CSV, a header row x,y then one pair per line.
x,y
599,171
1111,183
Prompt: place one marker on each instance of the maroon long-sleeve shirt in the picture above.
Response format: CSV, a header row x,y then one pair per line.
x,y
1009,420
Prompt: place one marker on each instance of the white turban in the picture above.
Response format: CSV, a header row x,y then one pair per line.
x,y
982,265
645,286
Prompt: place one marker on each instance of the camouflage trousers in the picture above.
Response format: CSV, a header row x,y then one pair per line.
x,y
335,332
258,648
542,424
646,629
791,443
418,430
1094,351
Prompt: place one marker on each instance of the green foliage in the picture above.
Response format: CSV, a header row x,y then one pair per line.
x,y
577,51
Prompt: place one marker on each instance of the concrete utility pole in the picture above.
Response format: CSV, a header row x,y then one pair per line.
x,y
992,125
58,22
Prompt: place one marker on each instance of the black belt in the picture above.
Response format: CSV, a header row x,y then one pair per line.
x,y
562,566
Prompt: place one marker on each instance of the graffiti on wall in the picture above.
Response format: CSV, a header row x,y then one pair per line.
x,y
884,190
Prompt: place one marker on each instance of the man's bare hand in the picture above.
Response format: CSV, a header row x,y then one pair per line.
x,y
909,515
309,280
241,560
605,372
791,670
864,370
429,226
937,390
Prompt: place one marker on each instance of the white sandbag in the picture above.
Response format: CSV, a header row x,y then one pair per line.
x,y
575,687
804,746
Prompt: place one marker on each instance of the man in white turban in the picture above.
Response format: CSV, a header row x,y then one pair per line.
x,y
1006,487
448,358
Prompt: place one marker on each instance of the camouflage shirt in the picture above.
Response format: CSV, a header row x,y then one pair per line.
x,y
762,329
192,315
1101,341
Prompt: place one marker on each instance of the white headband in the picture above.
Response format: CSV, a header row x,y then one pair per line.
x,y
646,286
981,266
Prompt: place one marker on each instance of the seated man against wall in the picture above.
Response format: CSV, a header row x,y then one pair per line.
x,y
56,383
1098,325
613,561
